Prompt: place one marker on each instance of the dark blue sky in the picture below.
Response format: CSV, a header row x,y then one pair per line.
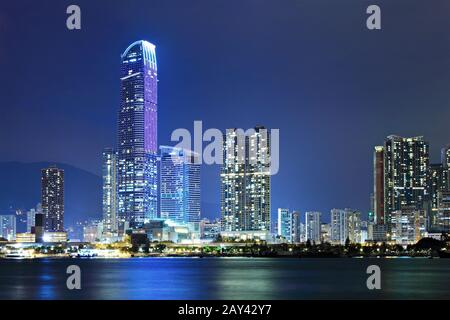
x,y
309,68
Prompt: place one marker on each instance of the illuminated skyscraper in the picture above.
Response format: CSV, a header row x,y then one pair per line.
x,y
296,227
325,232
406,165
313,226
8,227
408,225
440,217
31,217
378,184
245,180
137,135
109,174
285,224
180,185
52,198
445,157
439,185
354,225
339,230
345,224
437,182
445,160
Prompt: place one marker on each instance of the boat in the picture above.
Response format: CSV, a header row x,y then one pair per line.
x,y
85,253
18,254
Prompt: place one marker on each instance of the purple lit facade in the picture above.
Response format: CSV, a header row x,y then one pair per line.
x,y
137,136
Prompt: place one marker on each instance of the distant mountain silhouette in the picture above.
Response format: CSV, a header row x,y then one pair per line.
x,y
20,188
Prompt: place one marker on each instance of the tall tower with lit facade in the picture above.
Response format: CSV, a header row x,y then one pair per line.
x,y
109,175
179,185
445,160
439,181
406,168
137,136
345,224
378,184
245,180
284,224
312,224
52,198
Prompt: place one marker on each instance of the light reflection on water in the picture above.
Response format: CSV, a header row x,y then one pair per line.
x,y
218,278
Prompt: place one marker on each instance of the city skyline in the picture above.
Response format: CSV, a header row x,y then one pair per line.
x,y
405,182
332,99
224,157
409,200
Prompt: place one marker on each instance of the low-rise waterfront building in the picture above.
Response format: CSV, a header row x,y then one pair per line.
x,y
168,230
246,235
26,237
55,236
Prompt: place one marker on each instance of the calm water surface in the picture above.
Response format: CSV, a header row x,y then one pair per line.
x,y
225,278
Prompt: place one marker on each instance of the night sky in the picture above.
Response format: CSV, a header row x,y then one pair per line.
x,y
310,68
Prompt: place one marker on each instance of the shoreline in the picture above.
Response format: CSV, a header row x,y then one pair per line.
x,y
55,257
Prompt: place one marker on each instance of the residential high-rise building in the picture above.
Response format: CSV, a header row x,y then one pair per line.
x,y
437,182
285,229
245,180
408,225
445,160
137,136
406,167
339,231
8,227
354,225
445,163
109,174
440,216
378,184
439,185
313,226
325,232
31,217
302,232
345,224
296,227
179,185
52,198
